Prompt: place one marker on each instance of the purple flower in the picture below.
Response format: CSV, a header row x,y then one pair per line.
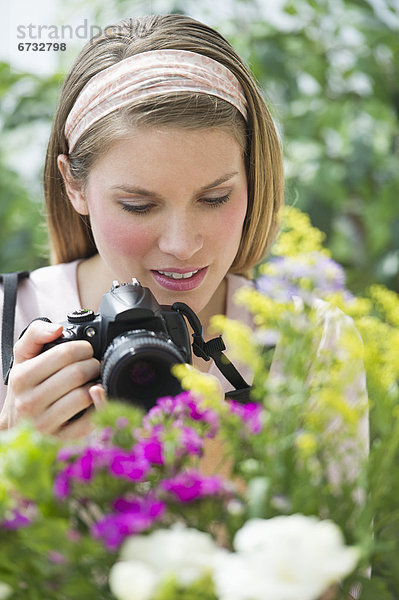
x,y
132,516
250,414
208,416
191,441
104,436
307,275
128,465
113,529
56,558
119,463
80,470
20,516
148,506
16,521
183,406
122,423
83,467
62,486
191,485
74,536
68,452
151,449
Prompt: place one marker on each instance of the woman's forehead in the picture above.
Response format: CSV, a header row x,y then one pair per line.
x,y
153,150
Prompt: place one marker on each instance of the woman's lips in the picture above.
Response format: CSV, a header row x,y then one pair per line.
x,y
180,285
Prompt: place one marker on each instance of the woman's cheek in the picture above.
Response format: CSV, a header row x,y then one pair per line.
x,y
232,221
122,237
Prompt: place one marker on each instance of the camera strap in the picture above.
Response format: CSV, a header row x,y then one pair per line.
x,y
10,285
214,349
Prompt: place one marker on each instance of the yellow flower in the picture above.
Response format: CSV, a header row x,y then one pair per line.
x,y
199,383
337,404
306,444
355,307
387,302
265,310
298,235
239,338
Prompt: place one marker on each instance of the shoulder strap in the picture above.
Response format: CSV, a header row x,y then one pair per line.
x,y
10,284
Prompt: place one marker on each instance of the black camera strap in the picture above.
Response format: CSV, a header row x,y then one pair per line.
x,y
214,349
10,285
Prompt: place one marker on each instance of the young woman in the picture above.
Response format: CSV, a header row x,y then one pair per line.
x,y
164,165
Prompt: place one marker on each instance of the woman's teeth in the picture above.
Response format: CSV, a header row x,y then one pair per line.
x,y
178,275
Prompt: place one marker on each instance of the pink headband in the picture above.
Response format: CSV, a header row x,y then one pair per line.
x,y
150,74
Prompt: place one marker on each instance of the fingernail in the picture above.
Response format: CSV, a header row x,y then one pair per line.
x,y
98,396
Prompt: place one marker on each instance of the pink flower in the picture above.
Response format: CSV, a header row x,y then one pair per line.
x,y
250,414
132,516
182,406
16,521
120,463
122,423
127,465
62,486
21,516
191,485
150,449
192,443
56,558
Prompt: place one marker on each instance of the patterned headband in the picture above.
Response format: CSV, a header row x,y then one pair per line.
x,y
150,74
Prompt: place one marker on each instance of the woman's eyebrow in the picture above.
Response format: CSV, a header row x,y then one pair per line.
x,y
132,189
219,181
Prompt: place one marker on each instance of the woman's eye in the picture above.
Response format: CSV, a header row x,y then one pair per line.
x,y
214,202
138,209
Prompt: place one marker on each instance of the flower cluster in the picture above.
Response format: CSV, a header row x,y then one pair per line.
x,y
307,275
158,451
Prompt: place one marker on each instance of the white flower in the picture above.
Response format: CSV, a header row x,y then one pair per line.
x,y
132,580
145,560
285,558
5,590
185,553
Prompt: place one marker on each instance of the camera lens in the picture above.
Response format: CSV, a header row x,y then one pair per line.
x,y
137,365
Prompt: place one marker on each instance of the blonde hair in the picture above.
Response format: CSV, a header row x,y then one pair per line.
x,y
70,233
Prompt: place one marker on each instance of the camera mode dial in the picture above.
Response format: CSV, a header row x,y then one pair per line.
x,y
81,316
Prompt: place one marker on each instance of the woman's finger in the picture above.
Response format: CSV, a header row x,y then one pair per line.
x,y
38,369
98,396
31,343
65,380
64,411
79,428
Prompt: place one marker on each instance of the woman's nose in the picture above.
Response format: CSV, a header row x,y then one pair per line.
x,y
180,237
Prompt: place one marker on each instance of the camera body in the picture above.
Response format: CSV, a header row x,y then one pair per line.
x,y
136,339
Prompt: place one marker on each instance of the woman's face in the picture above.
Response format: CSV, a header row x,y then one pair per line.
x,y
167,207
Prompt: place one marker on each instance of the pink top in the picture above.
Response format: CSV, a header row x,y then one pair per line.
x,y
53,292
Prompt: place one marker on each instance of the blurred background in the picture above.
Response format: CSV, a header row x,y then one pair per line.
x,y
329,70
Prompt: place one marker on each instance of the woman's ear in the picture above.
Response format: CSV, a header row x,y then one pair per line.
x,y
72,187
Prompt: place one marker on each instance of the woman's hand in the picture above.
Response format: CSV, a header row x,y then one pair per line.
x,y
50,388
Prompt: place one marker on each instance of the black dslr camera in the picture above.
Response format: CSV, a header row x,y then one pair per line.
x,y
137,341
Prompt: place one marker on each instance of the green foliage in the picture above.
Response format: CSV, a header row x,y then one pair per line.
x,y
376,316
21,232
202,589
332,82
25,100
48,559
